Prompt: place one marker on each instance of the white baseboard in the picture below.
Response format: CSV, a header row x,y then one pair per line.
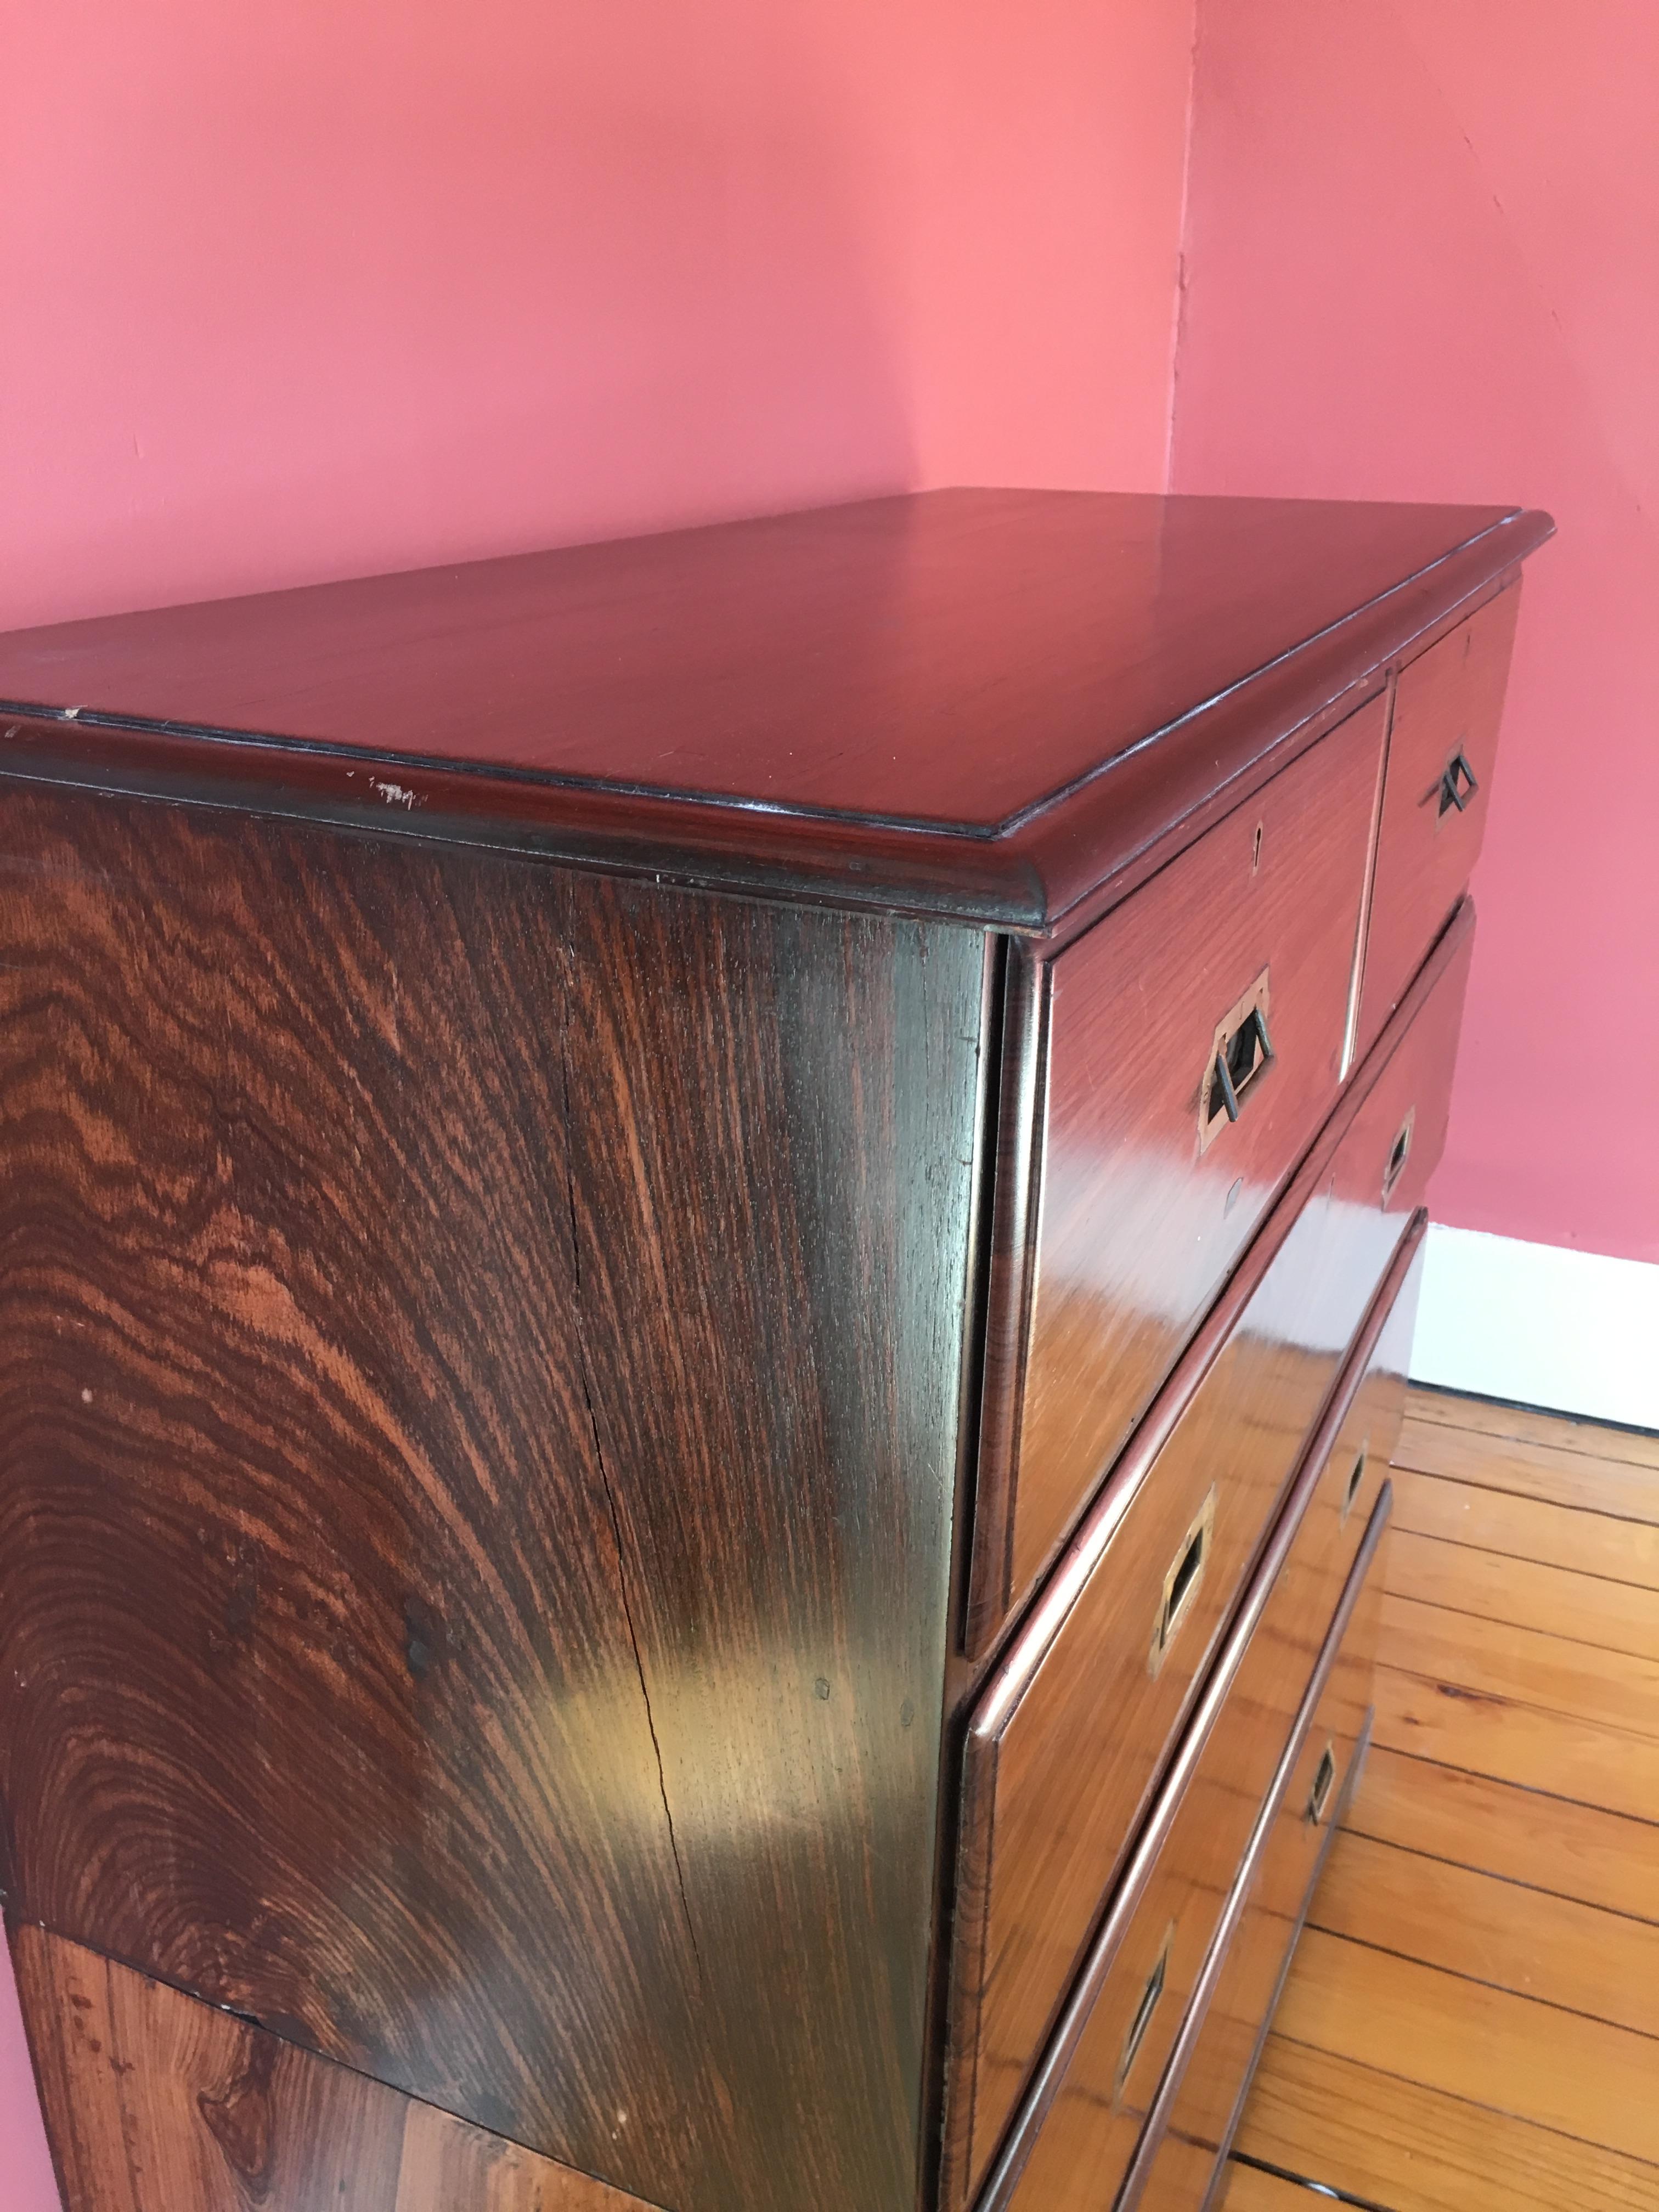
x,y
1574,1332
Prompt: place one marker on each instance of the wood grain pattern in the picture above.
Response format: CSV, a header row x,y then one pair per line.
x,y
1138,1227
158,2103
1572,1538
410,1637
1495,1658
1558,2069
1099,2112
1554,1948
1100,2126
1388,2141
1196,2114
1583,1608
1067,1738
1456,1879
1507,1740
774,1347
1580,1852
977,658
1553,1475
1449,698
1249,2188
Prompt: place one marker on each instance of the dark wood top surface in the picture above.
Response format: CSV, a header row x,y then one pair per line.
x,y
906,702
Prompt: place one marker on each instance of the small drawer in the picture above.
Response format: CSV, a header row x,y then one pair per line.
x,y
1442,746
1067,1742
1194,1044
1077,2140
1191,2126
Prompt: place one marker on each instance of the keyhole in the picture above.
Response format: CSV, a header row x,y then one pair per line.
x,y
1255,851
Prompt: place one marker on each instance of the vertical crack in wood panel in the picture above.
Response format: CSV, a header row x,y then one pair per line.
x,y
585,1377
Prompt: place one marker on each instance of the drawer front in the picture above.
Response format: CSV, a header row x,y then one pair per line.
x,y
1149,1190
1140,1983
1069,1736
1192,2123
1446,709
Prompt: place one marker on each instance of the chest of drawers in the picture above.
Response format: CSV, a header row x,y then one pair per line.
x,y
709,1247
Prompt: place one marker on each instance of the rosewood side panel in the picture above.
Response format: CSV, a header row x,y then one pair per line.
x,y
479,1389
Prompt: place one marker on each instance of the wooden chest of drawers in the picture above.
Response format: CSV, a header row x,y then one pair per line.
x,y
708,1251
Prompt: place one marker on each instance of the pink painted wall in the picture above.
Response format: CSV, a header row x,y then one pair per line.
x,y
1422,261
311,290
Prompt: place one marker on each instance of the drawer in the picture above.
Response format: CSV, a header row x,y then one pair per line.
x,y
1066,1743
1075,2142
1446,708
1148,1190
1193,2117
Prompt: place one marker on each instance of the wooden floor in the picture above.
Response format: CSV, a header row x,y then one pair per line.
x,y
1473,2022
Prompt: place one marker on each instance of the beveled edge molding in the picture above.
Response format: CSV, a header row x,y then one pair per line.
x,y
1046,872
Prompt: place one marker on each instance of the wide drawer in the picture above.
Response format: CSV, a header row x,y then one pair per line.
x,y
1242,951
1177,2166
1068,1739
1075,2141
1442,746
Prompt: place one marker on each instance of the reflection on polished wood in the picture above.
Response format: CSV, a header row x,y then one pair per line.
x,y
1140,1226
833,703
1447,705
1065,1746
1108,2088
385,1650
157,2100
1474,2030
1570,1538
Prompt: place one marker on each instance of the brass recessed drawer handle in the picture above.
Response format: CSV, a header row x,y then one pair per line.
x,y
1355,1477
1244,1056
1240,1053
1181,1584
1457,783
1400,1153
1143,2014
1324,1782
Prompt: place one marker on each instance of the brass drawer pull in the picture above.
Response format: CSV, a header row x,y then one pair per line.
x,y
1457,784
1355,1478
1240,1053
1243,1057
1399,1155
1181,1583
1143,2014
1324,1782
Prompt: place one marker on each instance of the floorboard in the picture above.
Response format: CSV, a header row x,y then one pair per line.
x,y
1472,2022
1486,1417
1580,1852
1569,1536
1501,1933
1393,2144
1557,1601
1559,1475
